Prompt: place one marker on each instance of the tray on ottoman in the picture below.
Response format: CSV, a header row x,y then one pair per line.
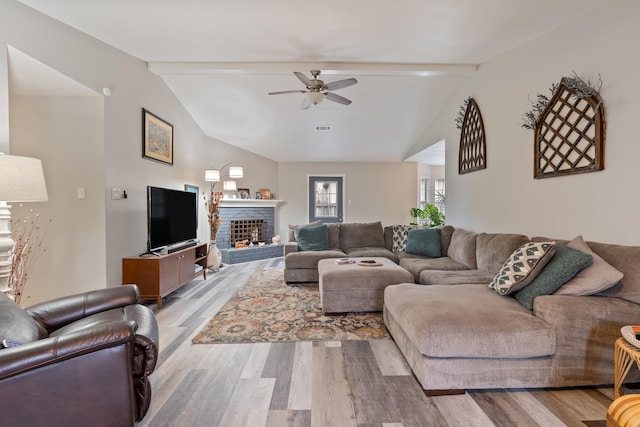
x,y
352,288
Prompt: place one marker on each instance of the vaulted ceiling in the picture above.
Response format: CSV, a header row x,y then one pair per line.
x,y
222,58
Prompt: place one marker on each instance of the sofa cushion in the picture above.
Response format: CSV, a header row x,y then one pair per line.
x,y
312,238
493,249
462,248
425,242
400,232
333,229
467,321
360,235
293,228
309,259
596,278
522,267
371,252
565,264
415,264
447,277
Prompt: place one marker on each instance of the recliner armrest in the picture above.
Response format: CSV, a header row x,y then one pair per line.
x,y
48,351
59,312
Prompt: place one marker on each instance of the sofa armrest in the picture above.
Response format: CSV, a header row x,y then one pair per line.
x,y
582,313
54,314
290,247
49,351
586,325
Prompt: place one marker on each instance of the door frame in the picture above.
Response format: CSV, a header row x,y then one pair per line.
x,y
344,191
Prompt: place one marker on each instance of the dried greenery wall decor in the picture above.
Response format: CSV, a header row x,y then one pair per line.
x,y
582,90
473,147
569,129
461,112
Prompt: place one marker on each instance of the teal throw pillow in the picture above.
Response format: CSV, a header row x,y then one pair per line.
x,y
565,264
313,238
425,242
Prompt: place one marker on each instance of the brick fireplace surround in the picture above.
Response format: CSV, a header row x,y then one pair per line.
x,y
248,213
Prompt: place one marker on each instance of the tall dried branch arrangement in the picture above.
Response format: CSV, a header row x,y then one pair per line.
x,y
213,208
28,237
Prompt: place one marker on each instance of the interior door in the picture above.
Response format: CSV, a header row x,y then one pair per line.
x,y
326,198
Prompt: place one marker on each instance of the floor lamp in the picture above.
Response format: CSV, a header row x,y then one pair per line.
x,y
214,257
21,180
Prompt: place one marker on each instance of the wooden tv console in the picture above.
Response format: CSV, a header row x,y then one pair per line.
x,y
159,275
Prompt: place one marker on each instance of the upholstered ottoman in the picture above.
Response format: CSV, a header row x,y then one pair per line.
x,y
356,288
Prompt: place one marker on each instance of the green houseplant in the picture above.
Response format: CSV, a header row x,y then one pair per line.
x,y
429,216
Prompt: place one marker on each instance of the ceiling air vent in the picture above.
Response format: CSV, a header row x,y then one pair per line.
x,y
324,128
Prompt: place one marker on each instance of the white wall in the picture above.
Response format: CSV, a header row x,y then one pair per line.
x,y
68,138
376,191
96,65
602,206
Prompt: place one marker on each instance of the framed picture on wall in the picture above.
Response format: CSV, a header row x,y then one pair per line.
x,y
157,138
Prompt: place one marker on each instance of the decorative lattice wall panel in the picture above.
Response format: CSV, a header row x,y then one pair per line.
x,y
473,147
569,135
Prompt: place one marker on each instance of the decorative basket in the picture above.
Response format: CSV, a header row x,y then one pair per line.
x,y
630,335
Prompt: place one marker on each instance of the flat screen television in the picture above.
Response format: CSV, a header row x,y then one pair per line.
x,y
171,218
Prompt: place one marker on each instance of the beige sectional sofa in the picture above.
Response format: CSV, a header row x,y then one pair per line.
x,y
345,240
457,333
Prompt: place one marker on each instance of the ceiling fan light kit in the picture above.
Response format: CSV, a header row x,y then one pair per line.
x,y
317,90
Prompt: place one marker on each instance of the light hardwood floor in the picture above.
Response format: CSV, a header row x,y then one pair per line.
x,y
348,383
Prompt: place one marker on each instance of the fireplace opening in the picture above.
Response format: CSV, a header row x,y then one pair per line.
x,y
249,230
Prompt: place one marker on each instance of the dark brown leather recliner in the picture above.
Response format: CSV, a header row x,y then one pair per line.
x,y
84,360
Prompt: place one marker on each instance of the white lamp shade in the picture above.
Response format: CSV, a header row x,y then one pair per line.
x,y
236,172
315,97
22,179
229,186
212,175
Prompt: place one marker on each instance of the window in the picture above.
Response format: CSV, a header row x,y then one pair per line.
x,y
439,194
424,192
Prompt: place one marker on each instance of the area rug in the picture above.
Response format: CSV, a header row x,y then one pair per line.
x,y
266,309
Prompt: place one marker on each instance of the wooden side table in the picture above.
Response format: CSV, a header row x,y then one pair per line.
x,y
625,355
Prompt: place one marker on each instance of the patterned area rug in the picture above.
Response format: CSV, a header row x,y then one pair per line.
x,y
266,309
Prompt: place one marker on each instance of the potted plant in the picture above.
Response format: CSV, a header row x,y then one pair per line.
x,y
429,216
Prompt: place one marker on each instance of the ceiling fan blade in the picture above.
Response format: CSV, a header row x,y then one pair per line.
x,y
337,98
306,104
339,84
287,91
304,79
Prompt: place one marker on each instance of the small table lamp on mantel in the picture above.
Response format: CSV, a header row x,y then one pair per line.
x,y
21,180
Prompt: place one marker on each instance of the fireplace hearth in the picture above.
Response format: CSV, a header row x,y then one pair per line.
x,y
252,221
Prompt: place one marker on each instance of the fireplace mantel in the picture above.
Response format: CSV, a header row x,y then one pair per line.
x,y
249,203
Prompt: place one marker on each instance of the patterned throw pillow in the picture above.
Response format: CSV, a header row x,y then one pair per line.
x,y
400,233
522,266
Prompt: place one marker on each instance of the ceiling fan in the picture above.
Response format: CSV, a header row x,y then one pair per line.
x,y
317,90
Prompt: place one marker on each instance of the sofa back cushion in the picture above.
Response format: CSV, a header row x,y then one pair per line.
x,y
360,235
445,238
625,259
334,235
15,323
493,249
462,248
